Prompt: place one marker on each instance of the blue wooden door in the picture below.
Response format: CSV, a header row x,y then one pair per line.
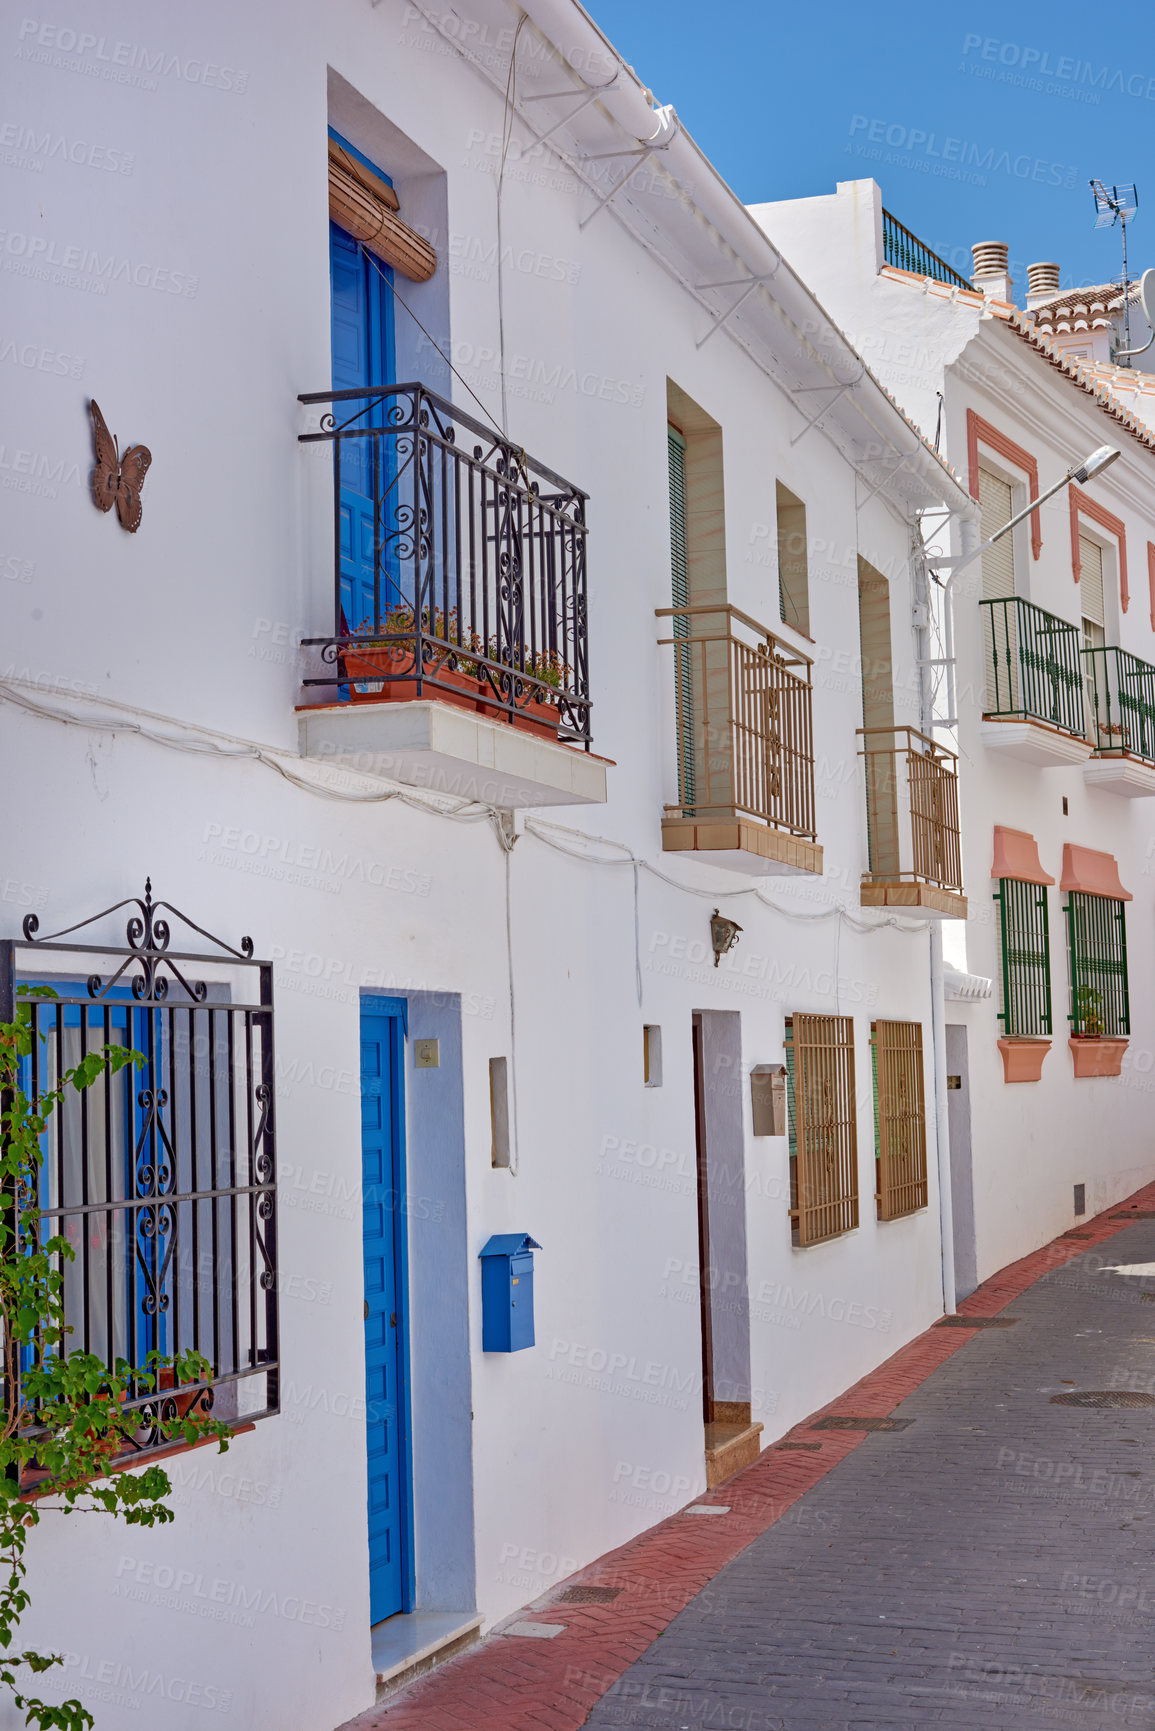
x,y
362,340
382,1172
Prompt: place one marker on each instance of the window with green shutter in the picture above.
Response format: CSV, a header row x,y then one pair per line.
x,y
1097,953
680,589
1025,975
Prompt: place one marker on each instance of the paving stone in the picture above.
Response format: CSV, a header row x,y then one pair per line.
x,y
988,1567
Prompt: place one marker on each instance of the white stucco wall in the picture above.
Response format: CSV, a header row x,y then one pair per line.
x,y
597,1432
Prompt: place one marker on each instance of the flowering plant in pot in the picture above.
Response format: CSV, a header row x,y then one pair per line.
x,y
530,685
383,664
1088,1013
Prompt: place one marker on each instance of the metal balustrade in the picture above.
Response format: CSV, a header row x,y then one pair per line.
x,y
912,812
459,563
744,720
904,251
1121,701
1034,668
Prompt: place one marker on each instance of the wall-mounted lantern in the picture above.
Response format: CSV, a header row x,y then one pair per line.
x,y
723,934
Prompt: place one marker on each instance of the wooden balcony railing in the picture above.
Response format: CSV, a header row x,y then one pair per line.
x,y
911,812
744,720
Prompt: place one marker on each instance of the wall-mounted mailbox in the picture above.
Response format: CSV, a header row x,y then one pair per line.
x,y
768,1099
507,1292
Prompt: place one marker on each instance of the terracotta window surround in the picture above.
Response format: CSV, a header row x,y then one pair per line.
x,y
1017,856
1151,579
982,432
1082,503
1092,873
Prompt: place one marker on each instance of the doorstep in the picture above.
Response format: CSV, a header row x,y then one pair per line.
x,y
413,1642
729,1448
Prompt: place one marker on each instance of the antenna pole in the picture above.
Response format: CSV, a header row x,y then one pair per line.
x,y
1126,296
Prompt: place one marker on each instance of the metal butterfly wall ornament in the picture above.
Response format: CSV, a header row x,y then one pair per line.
x,y
117,480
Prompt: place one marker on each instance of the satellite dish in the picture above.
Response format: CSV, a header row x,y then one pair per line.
x,y
1147,302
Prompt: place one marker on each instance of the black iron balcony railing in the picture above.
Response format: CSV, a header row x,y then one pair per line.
x,y
1121,701
459,564
905,251
744,727
1034,665
912,817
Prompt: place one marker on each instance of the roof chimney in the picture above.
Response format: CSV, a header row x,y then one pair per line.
x,y
991,269
1042,283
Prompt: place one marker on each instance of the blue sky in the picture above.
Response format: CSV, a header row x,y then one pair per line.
x,y
978,122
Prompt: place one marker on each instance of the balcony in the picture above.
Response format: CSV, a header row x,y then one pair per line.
x,y
457,657
912,824
1121,705
745,746
1033,705
904,251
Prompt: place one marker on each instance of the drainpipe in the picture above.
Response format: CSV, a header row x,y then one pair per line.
x,y
937,998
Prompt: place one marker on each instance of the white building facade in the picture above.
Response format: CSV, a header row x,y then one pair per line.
x,y
488,737
1053,645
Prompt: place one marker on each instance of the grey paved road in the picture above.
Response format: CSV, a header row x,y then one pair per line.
x,y
991,1566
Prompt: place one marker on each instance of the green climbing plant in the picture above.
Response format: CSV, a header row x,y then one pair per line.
x,y
67,1424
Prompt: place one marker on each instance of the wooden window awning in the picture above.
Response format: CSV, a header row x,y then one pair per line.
x,y
367,209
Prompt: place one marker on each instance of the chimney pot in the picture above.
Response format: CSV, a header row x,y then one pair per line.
x,y
990,258
1042,280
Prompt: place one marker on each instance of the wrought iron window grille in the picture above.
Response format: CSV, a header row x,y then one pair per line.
x,y
1025,958
1097,953
459,563
163,1178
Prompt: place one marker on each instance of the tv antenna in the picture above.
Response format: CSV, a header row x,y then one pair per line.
x,y
1118,204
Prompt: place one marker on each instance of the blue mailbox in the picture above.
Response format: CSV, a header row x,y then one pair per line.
x,y
507,1292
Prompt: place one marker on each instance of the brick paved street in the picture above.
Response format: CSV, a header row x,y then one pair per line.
x,y
990,1564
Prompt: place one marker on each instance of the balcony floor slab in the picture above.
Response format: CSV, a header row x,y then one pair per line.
x,y
739,844
1130,777
1034,742
449,750
927,899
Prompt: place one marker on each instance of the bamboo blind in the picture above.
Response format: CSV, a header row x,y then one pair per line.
x,y
900,1118
369,219
824,1167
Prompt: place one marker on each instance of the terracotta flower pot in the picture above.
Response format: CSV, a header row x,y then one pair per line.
x,y
1097,1054
383,673
1023,1059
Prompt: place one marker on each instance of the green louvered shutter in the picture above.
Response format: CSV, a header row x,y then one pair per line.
x,y
680,586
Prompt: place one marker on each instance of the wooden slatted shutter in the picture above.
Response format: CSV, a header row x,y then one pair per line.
x,y
820,1055
996,507
1091,581
900,1118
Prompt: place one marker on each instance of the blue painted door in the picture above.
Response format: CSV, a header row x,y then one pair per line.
x,y
382,1172
362,339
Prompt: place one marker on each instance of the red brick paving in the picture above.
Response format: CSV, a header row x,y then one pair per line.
x,y
510,1684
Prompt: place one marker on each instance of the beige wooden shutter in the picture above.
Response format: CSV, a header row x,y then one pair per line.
x,y
1091,580
366,215
995,502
